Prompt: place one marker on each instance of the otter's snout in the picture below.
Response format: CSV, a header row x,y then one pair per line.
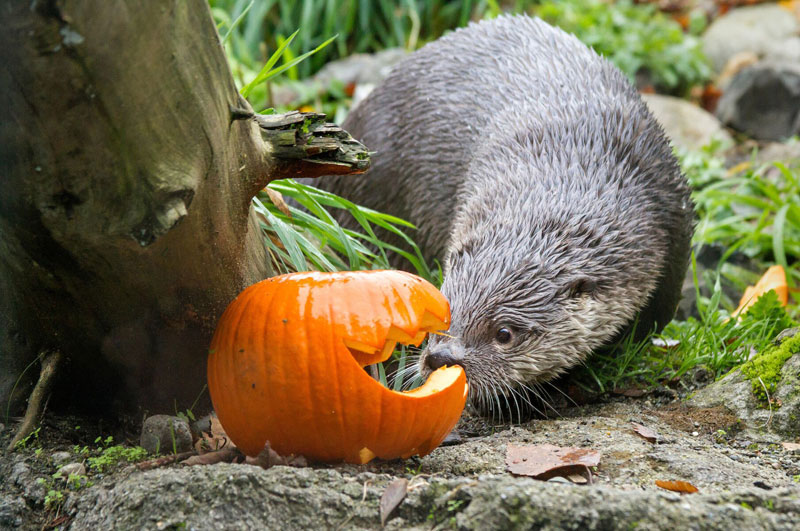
x,y
441,355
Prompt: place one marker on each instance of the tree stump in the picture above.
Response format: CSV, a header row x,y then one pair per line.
x,y
129,162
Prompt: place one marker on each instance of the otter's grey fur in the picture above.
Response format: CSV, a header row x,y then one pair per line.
x,y
538,177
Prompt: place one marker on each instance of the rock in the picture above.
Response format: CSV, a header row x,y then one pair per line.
x,y
686,125
165,434
12,511
361,68
243,497
77,469
742,393
763,100
734,65
760,153
59,458
20,474
766,30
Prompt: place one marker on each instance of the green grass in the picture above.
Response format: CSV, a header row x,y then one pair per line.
x,y
635,37
727,203
310,238
754,209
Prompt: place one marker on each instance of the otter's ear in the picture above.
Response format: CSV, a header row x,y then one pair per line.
x,y
581,286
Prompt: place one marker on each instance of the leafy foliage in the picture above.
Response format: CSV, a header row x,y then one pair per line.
x,y
755,210
311,238
634,37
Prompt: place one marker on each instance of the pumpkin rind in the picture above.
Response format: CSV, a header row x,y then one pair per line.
x,y
773,280
280,370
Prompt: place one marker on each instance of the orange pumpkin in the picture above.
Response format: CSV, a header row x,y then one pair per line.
x,y
286,366
773,280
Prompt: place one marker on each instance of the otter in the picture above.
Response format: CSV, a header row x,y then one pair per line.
x,y
539,179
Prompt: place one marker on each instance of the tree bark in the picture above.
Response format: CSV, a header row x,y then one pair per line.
x,y
129,162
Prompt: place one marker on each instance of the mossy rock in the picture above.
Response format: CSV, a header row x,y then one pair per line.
x,y
765,371
743,391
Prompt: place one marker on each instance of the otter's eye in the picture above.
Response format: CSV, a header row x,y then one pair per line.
x,y
503,335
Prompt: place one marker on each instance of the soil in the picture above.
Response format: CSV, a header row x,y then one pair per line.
x,y
705,447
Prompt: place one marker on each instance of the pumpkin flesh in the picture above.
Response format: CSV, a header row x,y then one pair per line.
x,y
286,366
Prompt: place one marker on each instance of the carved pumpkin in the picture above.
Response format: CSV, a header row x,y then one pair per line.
x,y
286,366
773,280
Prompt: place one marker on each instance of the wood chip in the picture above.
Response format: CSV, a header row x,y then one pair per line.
x,y
392,497
543,461
649,434
684,487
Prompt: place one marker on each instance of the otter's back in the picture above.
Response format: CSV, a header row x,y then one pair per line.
x,y
424,120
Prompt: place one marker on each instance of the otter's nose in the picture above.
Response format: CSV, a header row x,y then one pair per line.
x,y
440,356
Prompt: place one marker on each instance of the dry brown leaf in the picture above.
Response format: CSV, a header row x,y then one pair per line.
x,y
214,439
683,487
543,461
646,433
277,200
228,454
392,496
268,458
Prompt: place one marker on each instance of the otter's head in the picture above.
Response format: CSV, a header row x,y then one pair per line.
x,y
517,323
555,256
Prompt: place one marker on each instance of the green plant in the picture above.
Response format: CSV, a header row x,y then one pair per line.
x,y
54,494
113,455
755,211
311,238
635,37
32,437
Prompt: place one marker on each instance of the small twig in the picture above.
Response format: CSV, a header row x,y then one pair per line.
x,y
769,402
38,398
164,461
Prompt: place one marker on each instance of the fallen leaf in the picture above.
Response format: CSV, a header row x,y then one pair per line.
x,y
791,447
543,461
392,496
649,434
578,479
630,392
268,458
677,486
277,200
214,439
228,454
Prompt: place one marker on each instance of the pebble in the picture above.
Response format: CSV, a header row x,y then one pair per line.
x,y
76,469
166,434
61,457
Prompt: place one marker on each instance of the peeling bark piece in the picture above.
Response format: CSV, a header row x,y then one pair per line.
x,y
684,487
544,461
649,434
392,497
305,145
